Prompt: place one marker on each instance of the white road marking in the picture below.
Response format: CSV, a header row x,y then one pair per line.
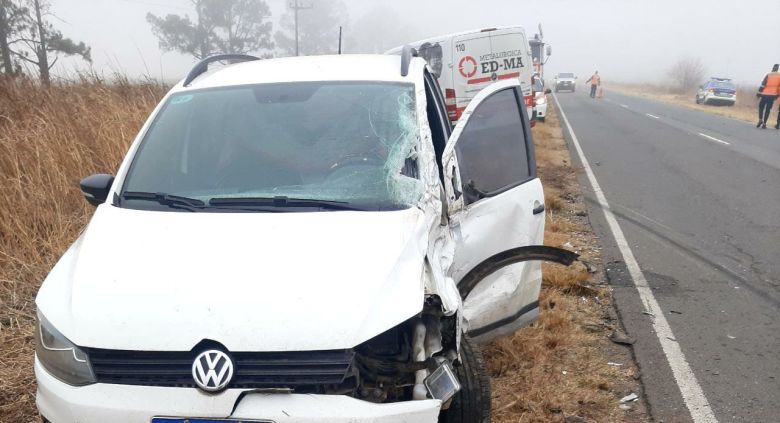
x,y
624,106
652,116
691,391
714,139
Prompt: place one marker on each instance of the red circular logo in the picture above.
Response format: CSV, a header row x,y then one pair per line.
x,y
467,66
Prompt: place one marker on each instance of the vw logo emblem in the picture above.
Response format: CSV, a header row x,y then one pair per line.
x,y
212,370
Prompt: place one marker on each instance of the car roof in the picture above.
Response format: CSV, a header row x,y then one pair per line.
x,y
346,67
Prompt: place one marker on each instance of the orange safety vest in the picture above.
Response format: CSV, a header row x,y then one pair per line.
x,y
772,86
595,79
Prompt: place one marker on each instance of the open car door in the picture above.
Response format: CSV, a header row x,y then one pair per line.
x,y
496,208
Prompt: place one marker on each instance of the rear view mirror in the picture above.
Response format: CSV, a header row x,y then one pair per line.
x,y
547,91
96,187
549,50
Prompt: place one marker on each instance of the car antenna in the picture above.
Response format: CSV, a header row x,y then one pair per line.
x,y
340,31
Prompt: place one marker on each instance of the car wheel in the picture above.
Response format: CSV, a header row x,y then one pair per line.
x,y
472,403
540,119
697,100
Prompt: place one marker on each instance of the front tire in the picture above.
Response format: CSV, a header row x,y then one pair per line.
x,y
472,403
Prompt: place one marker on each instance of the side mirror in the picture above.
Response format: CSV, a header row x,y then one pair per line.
x,y
96,187
547,91
549,50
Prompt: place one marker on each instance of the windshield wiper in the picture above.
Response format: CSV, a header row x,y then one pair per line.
x,y
172,201
281,202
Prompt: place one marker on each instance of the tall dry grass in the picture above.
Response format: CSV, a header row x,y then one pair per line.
x,y
50,138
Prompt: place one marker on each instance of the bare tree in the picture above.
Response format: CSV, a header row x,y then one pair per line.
x,y
40,44
687,73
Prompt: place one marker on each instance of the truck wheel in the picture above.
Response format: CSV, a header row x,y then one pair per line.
x,y
472,403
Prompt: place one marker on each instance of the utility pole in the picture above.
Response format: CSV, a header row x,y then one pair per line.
x,y
296,7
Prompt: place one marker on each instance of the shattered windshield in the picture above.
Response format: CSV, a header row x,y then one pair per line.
x,y
348,142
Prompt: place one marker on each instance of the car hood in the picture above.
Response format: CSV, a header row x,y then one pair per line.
x,y
164,281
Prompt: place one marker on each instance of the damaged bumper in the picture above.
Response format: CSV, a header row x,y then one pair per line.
x,y
101,403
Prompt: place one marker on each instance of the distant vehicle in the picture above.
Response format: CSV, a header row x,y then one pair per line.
x,y
565,81
717,91
466,62
540,98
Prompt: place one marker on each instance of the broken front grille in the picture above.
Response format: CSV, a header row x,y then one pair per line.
x,y
301,371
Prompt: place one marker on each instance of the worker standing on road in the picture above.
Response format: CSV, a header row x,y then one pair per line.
x,y
767,93
595,81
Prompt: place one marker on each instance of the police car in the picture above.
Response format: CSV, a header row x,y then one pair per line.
x,y
717,91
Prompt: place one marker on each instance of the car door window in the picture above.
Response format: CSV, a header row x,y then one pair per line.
x,y
437,119
492,151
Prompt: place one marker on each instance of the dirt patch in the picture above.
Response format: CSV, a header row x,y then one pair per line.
x,y
745,109
564,368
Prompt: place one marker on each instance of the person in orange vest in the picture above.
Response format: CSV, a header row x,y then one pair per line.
x,y
595,81
767,93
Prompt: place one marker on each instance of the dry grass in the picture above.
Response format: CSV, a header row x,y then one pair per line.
x,y
556,370
50,139
746,108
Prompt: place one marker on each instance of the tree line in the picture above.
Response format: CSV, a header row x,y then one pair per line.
x,y
30,44
28,39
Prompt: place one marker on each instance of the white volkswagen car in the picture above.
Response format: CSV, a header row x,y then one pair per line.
x,y
298,240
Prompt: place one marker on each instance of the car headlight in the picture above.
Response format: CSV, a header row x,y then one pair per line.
x,y
60,357
541,100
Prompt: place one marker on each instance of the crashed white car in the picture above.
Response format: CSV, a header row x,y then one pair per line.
x,y
298,240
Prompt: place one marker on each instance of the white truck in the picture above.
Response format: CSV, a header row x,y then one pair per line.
x,y
465,63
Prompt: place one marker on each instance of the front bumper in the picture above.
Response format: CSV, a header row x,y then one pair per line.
x,y
568,86
101,403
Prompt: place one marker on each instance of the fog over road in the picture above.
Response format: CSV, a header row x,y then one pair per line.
x,y
698,199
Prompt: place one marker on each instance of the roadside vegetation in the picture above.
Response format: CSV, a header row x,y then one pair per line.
x,y
746,108
51,137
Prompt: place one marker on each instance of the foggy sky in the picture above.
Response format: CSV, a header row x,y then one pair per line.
x,y
626,40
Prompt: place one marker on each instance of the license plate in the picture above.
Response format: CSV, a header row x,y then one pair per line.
x,y
180,420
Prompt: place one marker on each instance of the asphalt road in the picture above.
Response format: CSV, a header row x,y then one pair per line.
x,y
698,199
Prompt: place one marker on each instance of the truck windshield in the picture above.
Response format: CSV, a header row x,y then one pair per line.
x,y
346,142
